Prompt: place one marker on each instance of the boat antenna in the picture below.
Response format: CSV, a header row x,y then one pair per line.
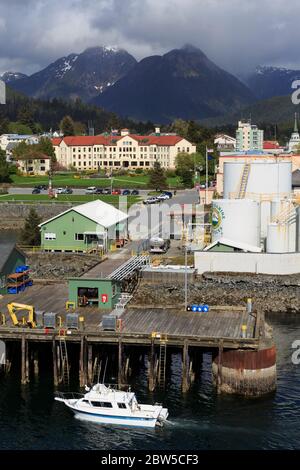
x,y
99,370
104,370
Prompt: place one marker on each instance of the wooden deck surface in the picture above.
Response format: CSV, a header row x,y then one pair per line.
x,y
215,323
137,323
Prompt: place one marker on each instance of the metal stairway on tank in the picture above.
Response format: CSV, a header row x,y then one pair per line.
x,y
161,377
244,181
65,370
285,216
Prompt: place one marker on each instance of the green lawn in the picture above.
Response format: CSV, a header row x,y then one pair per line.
x,y
136,181
33,198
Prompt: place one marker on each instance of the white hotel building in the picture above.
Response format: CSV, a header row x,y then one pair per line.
x,y
127,150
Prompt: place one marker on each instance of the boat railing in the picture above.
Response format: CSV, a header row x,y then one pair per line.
x,y
69,395
116,388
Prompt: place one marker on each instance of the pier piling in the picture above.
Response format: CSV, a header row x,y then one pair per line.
x,y
120,363
82,363
90,364
36,362
55,365
246,372
24,361
185,367
152,378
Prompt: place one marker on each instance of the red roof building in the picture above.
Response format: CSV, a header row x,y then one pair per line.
x,y
120,151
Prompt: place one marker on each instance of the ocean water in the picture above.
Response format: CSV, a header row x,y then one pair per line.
x,y
200,419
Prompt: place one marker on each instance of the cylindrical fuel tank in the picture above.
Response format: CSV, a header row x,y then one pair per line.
x,y
264,178
237,220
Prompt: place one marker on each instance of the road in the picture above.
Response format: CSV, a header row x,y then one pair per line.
x,y
153,220
81,191
144,221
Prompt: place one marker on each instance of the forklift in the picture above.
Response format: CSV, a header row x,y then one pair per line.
x,y
14,307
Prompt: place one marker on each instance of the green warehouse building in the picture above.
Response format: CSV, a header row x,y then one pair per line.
x,y
10,258
82,228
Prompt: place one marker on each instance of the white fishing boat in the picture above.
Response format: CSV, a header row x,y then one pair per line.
x,y
106,404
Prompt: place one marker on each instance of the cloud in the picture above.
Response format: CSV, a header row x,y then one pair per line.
x,y
236,34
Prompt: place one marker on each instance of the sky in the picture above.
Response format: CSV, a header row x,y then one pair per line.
x,y
236,34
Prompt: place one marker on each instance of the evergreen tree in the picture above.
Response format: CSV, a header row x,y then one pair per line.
x,y
21,149
31,233
67,126
185,164
158,178
25,116
45,146
4,168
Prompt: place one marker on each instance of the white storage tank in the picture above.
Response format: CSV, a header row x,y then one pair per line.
x,y
278,238
265,178
237,220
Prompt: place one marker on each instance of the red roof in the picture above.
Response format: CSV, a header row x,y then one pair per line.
x,y
142,140
56,140
271,145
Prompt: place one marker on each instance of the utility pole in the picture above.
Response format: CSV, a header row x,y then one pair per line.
x,y
185,279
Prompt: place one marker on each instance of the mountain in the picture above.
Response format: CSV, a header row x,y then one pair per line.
x,y
267,82
275,110
10,77
82,75
41,114
183,83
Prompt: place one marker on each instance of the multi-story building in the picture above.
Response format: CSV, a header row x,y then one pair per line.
x,y
225,143
116,151
6,139
249,137
35,164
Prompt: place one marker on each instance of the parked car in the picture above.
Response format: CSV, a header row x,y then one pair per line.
x,y
163,197
135,192
106,191
125,192
116,192
99,191
151,200
68,191
202,186
168,193
36,191
91,190
41,187
59,190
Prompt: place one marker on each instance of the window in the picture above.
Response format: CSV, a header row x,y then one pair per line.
x,y
50,236
102,404
79,237
85,401
43,168
122,405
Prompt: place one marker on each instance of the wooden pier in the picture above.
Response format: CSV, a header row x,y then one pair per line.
x,y
155,329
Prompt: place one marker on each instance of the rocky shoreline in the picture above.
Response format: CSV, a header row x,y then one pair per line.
x,y
272,293
60,265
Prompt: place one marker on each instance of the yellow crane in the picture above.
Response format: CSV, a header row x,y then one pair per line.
x,y
14,307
